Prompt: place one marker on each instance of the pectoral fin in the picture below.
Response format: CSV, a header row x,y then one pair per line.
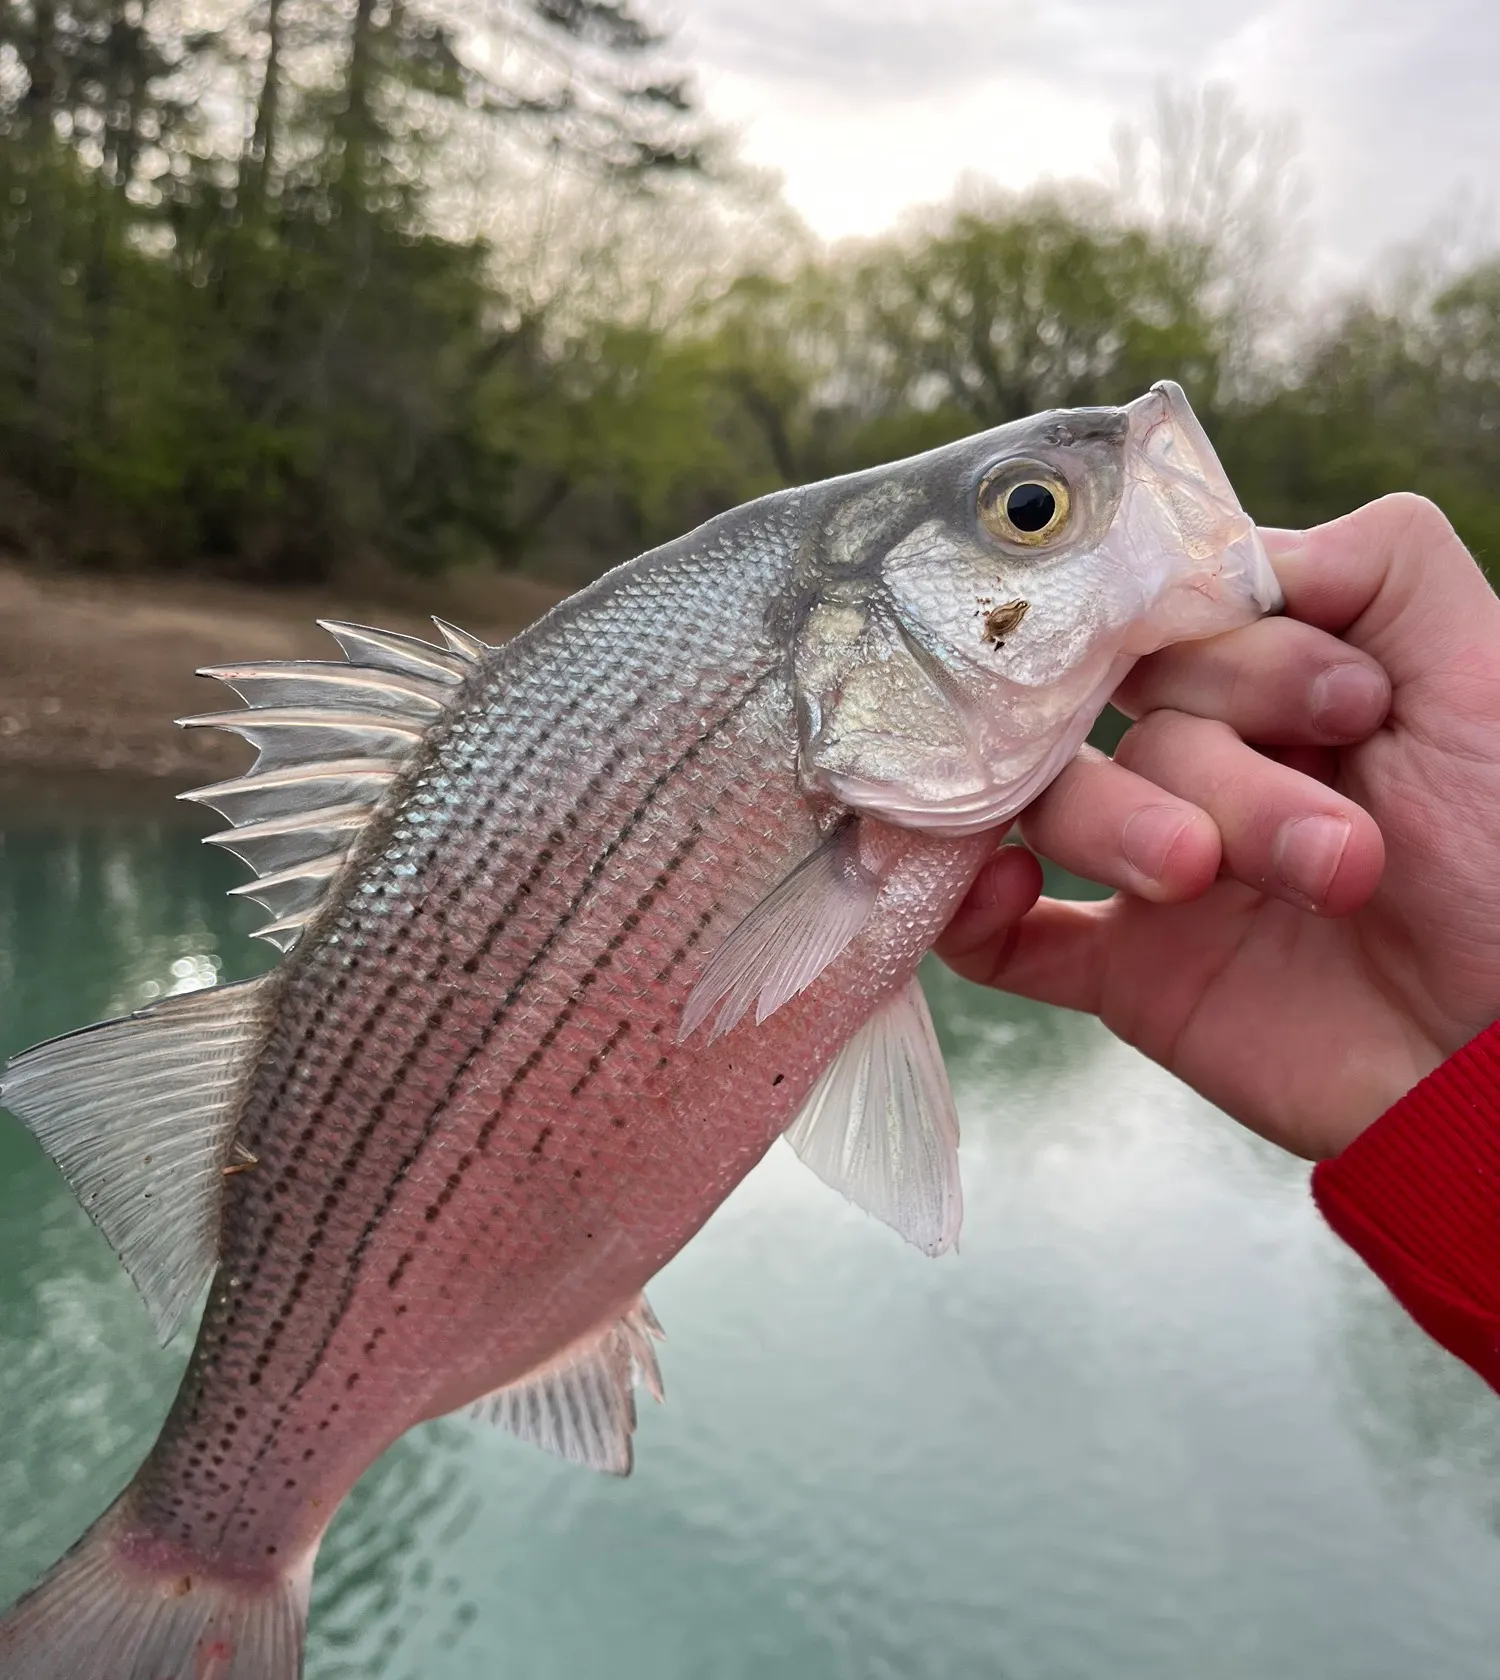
x,y
581,1405
881,1128
788,939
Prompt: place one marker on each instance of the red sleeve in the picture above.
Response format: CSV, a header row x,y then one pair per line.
x,y
1417,1196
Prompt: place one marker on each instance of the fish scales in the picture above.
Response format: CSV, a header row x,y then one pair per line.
x,y
484,1100
477,1219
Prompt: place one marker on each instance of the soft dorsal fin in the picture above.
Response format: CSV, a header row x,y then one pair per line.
x,y
581,1405
139,1113
331,736
881,1128
789,938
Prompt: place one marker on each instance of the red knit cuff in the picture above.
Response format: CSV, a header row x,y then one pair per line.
x,y
1417,1196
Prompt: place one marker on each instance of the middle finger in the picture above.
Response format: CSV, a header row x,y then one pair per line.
x,y
1282,832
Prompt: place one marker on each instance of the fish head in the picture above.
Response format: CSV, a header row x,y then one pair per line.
x,y
963,617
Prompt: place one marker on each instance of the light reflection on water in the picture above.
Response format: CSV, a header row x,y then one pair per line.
x,y
1151,1422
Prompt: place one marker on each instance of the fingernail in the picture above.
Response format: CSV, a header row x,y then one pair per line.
x,y
1149,836
1348,701
1307,852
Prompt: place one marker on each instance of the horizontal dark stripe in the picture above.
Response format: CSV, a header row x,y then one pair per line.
x,y
593,875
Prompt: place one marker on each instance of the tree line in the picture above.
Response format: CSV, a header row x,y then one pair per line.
x,y
294,287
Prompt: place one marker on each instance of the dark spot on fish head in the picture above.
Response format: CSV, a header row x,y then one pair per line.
x,y
1000,620
778,1079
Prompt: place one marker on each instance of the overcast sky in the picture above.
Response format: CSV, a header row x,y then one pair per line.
x,y
867,106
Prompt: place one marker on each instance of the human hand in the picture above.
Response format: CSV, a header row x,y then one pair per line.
x,y
1255,947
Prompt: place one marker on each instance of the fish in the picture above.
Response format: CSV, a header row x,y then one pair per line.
x,y
573,929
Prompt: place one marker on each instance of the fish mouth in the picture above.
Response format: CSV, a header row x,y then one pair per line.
x,y
1164,427
1224,578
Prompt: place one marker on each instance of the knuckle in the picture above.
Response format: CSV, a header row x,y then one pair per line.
x,y
1416,519
1136,743
1162,733
1244,692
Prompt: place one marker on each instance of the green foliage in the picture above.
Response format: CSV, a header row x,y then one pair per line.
x,y
264,357
244,326
1037,305
1385,399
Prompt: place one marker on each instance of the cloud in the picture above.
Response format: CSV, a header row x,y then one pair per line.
x,y
857,50
868,105
1397,107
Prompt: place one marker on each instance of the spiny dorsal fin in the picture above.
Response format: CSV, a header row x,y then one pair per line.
x,y
139,1113
881,1128
581,1405
331,735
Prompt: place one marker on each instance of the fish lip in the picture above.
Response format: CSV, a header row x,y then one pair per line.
x,y
1166,404
1241,564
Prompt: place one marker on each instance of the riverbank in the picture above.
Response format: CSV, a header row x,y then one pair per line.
x,y
93,670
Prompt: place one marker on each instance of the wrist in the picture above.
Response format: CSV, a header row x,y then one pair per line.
x,y
1384,1083
1415,1197
1372,1079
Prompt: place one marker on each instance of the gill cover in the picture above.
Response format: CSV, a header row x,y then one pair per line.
x,y
948,661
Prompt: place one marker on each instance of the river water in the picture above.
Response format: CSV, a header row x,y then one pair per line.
x,y
1152,1423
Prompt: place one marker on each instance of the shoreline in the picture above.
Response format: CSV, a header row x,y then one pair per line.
x,y
94,669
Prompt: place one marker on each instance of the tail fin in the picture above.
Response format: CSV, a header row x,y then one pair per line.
x,y
102,1615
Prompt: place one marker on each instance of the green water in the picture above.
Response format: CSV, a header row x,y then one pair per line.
x,y
1151,1423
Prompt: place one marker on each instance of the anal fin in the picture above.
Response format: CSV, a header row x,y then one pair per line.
x,y
880,1126
581,1405
139,1113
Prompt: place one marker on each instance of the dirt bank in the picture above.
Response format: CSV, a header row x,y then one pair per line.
x,y
93,670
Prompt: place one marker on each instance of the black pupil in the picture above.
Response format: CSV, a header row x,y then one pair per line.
x,y
1030,507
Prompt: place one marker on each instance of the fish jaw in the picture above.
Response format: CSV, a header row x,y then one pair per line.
x,y
1195,551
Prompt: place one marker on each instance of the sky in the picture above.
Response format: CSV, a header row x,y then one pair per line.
x,y
865,107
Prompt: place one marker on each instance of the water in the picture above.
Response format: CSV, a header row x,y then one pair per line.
x,y
1151,1424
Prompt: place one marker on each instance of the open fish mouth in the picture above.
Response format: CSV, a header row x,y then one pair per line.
x,y
1171,463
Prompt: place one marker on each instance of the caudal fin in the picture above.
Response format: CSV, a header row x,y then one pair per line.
x,y
103,1615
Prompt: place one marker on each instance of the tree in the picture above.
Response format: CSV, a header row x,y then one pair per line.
x,y
252,341
1230,190
1036,303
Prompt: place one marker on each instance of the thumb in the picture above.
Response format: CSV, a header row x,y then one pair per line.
x,y
1393,579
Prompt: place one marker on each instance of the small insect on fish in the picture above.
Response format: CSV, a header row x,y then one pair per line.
x,y
574,929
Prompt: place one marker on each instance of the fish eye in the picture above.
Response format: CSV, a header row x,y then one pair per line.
x,y
1024,502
